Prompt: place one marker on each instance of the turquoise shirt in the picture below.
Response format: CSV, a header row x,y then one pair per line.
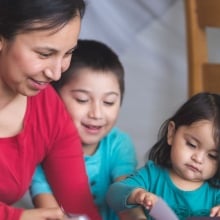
x,y
114,157
157,180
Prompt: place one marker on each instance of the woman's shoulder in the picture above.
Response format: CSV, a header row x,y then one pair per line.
x,y
48,95
47,101
46,109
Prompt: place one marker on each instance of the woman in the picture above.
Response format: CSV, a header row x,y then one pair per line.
x,y
37,39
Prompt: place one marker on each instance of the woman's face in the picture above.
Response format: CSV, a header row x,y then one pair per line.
x,y
33,59
93,101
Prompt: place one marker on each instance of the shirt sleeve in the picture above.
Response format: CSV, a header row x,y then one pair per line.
x,y
117,196
39,183
9,212
119,192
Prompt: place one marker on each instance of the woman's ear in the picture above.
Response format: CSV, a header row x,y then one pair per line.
x,y
170,132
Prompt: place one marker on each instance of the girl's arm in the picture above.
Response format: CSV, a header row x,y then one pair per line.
x,y
215,211
142,197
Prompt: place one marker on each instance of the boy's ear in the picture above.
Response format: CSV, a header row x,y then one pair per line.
x,y
170,132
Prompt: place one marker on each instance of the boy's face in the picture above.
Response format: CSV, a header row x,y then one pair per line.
x,y
93,101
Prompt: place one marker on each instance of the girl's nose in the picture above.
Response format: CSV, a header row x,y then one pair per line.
x,y
198,157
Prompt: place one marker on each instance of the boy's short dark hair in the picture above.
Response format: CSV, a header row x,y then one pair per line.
x,y
96,56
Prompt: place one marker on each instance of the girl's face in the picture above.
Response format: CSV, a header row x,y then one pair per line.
x,y
93,100
33,59
193,152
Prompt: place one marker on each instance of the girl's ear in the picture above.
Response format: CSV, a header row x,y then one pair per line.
x,y
170,132
1,42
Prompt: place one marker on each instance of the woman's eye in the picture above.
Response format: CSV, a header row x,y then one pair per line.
x,y
44,55
69,54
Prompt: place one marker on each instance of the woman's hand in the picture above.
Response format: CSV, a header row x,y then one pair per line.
x,y
42,214
142,197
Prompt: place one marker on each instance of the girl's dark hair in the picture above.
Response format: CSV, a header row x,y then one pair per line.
x,y
202,106
17,16
96,56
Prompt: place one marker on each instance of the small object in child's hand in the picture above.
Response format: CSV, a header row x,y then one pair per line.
x,y
161,211
70,216
203,218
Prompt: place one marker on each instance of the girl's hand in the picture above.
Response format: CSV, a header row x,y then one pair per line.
x,y
142,197
42,214
215,211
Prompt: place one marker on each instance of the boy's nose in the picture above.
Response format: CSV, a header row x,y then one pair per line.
x,y
95,111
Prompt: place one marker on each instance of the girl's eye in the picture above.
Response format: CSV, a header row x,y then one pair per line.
x,y
213,156
190,144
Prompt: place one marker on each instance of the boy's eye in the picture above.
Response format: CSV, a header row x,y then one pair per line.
x,y
82,100
109,103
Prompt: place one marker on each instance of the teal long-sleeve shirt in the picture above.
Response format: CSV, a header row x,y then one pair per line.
x,y
157,180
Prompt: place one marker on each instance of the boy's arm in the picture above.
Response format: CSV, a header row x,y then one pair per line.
x,y
41,192
45,200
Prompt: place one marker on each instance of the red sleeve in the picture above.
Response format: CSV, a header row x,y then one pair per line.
x,y
9,212
65,168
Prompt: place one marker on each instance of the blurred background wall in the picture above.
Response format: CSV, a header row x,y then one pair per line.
x,y
149,37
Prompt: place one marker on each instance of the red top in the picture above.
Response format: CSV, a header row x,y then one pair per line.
x,y
48,136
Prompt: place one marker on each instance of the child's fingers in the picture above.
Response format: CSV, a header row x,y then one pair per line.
x,y
147,202
215,211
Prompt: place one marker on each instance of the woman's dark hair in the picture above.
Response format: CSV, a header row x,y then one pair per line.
x,y
96,56
202,106
17,16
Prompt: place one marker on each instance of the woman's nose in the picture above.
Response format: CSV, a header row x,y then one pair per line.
x,y
54,71
52,74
